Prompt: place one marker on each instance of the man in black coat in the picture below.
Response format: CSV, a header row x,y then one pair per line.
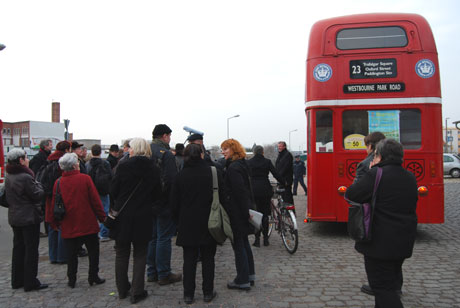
x,y
41,158
164,228
284,166
394,223
36,163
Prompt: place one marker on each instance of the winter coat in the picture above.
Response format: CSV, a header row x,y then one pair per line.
x,y
394,222
112,160
262,189
49,206
363,167
284,166
83,206
167,162
238,195
135,222
38,160
299,169
23,195
191,200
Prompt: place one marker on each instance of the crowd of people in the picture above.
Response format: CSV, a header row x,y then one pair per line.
x,y
152,193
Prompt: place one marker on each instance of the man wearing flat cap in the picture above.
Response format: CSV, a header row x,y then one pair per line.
x,y
164,228
76,148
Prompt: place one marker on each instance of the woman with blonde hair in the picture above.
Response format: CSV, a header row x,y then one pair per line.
x,y
239,200
135,187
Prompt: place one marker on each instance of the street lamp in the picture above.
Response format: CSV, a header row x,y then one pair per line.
x,y
447,146
66,125
2,46
228,119
290,137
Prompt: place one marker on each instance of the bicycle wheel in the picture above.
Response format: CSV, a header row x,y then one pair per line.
x,y
289,232
271,219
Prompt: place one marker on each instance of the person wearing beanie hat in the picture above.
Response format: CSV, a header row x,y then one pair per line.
x,y
164,228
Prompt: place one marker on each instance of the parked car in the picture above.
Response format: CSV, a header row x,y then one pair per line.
x,y
452,165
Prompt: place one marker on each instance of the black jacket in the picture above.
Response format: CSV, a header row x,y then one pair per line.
x,y
112,160
136,219
39,159
363,167
191,199
163,157
395,221
238,195
260,168
284,166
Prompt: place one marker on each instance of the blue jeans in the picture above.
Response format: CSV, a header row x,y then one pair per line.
x,y
244,260
105,199
56,249
159,250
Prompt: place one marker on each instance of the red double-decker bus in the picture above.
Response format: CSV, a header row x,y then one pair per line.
x,y
2,157
366,73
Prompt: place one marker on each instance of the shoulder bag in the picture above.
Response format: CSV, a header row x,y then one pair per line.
x,y
218,222
360,215
111,219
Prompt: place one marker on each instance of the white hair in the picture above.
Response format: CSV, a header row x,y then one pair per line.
x,y
15,154
68,161
140,147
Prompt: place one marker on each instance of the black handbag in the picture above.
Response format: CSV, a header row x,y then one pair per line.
x,y
111,220
59,208
3,201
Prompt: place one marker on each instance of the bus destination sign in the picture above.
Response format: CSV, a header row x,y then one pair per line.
x,y
374,87
378,68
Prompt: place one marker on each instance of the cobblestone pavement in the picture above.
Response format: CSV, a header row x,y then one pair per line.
x,y
325,272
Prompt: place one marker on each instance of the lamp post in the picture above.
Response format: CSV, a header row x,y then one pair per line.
x,y
228,119
290,137
447,146
66,125
2,46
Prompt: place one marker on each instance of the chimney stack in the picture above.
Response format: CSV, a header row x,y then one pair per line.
x,y
56,112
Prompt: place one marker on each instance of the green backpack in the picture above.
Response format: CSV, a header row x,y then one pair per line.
x,y
219,222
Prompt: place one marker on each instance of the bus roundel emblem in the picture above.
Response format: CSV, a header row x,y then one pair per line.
x,y
322,72
425,68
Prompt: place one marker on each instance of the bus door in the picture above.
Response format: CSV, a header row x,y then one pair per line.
x,y
321,203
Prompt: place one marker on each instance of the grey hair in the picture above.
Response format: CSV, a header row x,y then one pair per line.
x,y
258,150
45,143
68,161
15,154
140,147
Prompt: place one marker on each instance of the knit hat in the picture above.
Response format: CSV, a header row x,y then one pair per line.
x,y
161,129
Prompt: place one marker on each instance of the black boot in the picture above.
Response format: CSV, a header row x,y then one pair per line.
x,y
266,242
256,242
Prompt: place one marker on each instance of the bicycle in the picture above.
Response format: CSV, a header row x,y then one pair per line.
x,y
283,219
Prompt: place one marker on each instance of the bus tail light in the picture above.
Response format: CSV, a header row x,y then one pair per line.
x,y
342,190
432,169
422,191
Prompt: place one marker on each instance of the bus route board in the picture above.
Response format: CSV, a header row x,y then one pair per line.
x,y
373,68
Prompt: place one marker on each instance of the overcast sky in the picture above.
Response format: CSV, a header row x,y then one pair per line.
x,y
120,67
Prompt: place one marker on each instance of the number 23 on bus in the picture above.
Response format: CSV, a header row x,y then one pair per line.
x,y
367,73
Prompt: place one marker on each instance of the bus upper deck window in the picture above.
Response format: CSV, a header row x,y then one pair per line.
x,y
376,37
324,131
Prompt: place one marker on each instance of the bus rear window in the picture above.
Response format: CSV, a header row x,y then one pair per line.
x,y
403,125
378,37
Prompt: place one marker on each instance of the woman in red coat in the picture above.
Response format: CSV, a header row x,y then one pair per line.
x,y
83,209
